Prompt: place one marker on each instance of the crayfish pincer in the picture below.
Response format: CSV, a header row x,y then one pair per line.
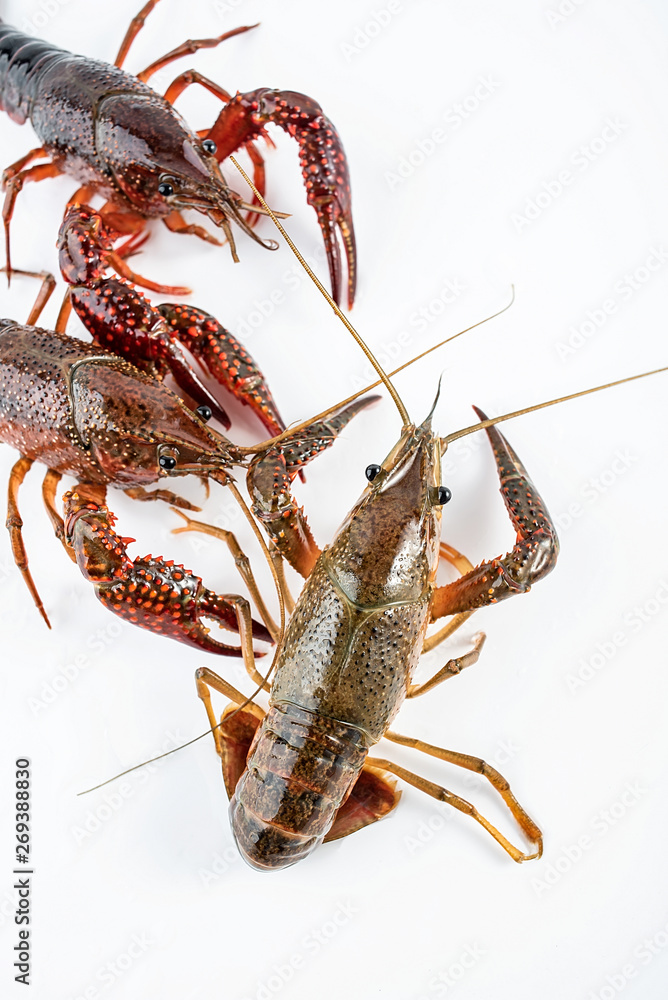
x,y
119,318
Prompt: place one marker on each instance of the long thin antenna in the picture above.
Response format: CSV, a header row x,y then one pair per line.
x,y
151,760
445,441
167,753
360,392
201,736
344,319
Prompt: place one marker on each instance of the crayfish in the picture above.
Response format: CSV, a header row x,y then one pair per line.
x,y
83,411
300,773
125,142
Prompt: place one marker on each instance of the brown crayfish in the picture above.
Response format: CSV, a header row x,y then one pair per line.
x,y
300,773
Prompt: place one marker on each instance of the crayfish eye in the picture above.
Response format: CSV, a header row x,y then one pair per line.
x,y
167,457
443,495
165,189
204,413
209,146
371,472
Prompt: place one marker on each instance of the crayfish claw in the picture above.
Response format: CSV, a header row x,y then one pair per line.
x,y
224,358
151,592
224,612
271,474
322,157
330,215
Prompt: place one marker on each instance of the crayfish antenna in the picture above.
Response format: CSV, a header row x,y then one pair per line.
x,y
242,703
384,378
481,425
361,392
403,412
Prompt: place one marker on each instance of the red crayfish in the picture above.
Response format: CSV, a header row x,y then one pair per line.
x,y
122,140
84,411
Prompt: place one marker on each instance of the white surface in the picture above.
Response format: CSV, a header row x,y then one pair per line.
x,y
424,904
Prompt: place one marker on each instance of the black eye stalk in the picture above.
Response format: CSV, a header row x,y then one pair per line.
x,y
441,496
204,413
209,146
166,189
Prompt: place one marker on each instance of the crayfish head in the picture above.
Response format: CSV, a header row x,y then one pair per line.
x,y
158,165
387,548
136,429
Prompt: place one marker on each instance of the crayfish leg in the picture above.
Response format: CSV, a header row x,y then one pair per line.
x,y
13,183
462,565
49,487
498,782
14,525
120,267
48,283
177,224
241,561
453,667
234,737
139,493
135,26
189,48
463,805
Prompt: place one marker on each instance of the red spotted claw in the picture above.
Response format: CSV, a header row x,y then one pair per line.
x,y
121,319
224,358
323,162
151,592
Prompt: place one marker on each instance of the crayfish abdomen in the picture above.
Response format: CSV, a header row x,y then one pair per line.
x,y
300,769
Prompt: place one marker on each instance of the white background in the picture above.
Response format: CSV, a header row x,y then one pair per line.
x,y
138,889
